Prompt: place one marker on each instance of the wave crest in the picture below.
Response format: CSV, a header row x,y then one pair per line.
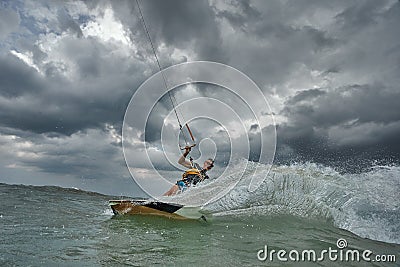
x,y
366,204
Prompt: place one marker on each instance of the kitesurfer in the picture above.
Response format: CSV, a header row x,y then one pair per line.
x,y
193,175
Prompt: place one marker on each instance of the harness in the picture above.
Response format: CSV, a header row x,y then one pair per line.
x,y
192,177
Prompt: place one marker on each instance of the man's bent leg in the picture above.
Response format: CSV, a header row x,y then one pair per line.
x,y
172,191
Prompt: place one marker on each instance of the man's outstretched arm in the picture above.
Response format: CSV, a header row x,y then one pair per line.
x,y
182,160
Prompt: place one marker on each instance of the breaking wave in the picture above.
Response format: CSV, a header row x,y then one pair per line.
x,y
366,204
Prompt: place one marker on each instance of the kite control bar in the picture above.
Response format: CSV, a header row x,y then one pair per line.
x,y
182,148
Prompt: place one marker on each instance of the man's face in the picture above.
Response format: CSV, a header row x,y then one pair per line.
x,y
208,164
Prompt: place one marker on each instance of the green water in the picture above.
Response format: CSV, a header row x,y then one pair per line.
x,y
50,226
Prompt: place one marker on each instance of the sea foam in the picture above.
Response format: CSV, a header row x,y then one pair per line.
x,y
366,204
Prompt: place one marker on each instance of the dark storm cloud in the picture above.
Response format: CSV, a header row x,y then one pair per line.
x,y
184,25
57,104
274,42
154,125
304,95
244,12
40,109
356,113
190,26
343,123
359,16
17,78
364,103
89,154
52,103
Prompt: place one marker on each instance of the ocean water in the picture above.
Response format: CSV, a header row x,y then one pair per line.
x,y
296,208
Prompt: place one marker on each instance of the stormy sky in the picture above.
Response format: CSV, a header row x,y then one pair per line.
x,y
68,69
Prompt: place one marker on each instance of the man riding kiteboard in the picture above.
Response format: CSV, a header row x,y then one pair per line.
x,y
193,175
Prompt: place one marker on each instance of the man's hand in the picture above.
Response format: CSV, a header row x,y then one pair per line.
x,y
182,160
187,150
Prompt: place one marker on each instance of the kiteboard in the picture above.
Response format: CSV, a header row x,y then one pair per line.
x,y
152,207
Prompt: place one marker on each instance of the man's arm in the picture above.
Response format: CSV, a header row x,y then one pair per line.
x,y
182,160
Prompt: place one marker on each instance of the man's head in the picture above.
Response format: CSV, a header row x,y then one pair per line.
x,y
208,164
